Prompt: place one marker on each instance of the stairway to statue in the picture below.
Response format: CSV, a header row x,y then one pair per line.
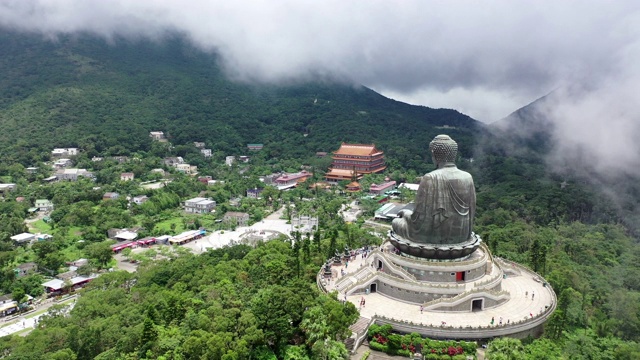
x,y
360,325
358,328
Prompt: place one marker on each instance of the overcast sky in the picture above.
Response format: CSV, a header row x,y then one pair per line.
x,y
483,58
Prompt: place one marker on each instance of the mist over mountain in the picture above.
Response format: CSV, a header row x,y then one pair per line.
x,y
583,135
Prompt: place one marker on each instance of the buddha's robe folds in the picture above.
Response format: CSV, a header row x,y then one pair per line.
x,y
444,209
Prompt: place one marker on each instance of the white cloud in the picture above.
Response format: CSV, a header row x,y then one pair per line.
x,y
498,49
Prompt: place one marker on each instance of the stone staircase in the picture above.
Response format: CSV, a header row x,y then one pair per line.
x,y
345,283
359,330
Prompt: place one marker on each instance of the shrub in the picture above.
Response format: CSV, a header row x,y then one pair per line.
x,y
469,346
395,343
374,345
403,352
373,330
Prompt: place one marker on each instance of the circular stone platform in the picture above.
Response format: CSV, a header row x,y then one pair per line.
x,y
435,251
509,299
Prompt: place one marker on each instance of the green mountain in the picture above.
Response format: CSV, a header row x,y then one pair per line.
x,y
106,97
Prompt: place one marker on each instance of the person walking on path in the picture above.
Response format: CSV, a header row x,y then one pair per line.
x,y
532,295
492,320
421,309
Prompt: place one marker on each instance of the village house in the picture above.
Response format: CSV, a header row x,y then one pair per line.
x,y
229,160
243,158
205,179
206,152
379,189
25,269
32,170
62,163
237,218
140,199
23,238
198,144
288,181
73,174
51,179
157,135
63,152
6,188
7,305
254,193
199,205
44,205
321,154
110,196
187,169
173,161
255,147
127,176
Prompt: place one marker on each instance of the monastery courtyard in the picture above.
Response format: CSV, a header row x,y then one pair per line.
x,y
268,228
520,306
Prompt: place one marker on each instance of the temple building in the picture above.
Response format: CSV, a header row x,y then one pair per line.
x,y
352,161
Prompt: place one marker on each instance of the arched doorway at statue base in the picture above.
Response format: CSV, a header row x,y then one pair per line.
x,y
373,288
476,305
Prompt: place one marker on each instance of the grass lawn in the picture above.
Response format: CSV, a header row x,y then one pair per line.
x,y
41,226
165,226
72,253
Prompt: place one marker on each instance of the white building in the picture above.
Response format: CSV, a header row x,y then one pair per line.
x,y
187,169
140,199
62,152
73,174
206,152
44,205
23,238
157,135
199,205
62,163
229,160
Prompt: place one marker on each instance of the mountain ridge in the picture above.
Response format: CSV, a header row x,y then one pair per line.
x,y
82,91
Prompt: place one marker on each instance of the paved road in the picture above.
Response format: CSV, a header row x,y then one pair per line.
x,y
29,323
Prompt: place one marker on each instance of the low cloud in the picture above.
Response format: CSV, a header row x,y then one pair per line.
x,y
485,59
500,49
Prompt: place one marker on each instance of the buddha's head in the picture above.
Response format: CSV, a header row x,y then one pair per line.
x,y
443,149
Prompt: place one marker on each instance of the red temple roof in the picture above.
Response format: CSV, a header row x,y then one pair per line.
x,y
357,149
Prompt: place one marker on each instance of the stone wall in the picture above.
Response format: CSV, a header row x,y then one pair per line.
x,y
447,276
411,296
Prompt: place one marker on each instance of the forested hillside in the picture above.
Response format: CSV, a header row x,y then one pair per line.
x,y
105,98
243,303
